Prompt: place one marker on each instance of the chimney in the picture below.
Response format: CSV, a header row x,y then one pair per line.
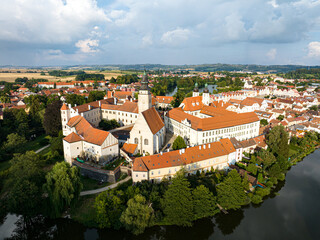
x,y
82,114
161,153
200,147
204,146
180,151
209,145
75,105
168,150
69,105
99,103
89,107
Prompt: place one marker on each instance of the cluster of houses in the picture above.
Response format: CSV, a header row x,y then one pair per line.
x,y
217,128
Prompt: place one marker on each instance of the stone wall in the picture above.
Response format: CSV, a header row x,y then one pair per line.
x,y
98,174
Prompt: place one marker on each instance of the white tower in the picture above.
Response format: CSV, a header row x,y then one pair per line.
x,y
144,99
206,96
195,91
65,116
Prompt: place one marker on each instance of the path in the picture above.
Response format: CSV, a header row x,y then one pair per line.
x,y
99,190
39,150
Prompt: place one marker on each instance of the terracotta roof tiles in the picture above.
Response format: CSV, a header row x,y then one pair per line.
x,y
153,119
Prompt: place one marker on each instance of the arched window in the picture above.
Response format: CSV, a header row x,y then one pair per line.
x,y
146,141
136,141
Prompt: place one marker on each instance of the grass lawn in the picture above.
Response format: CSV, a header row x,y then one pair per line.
x,y
84,211
294,149
111,166
91,184
33,145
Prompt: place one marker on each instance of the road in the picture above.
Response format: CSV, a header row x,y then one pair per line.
x,y
39,150
99,190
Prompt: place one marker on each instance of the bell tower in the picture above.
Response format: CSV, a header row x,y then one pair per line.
x,y
144,99
195,90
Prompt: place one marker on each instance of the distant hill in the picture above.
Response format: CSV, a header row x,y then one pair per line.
x,y
199,68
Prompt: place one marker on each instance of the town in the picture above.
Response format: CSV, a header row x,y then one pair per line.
x,y
145,129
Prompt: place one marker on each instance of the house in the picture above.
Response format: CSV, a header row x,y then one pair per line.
x,y
154,168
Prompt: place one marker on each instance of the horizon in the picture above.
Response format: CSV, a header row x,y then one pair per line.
x,y
126,32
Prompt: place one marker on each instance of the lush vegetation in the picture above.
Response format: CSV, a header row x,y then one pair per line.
x,y
62,73
108,124
125,79
178,143
90,76
303,73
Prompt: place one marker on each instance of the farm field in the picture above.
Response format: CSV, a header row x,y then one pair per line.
x,y
16,73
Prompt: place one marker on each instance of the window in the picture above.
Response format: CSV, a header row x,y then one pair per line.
x,y
136,175
146,141
136,141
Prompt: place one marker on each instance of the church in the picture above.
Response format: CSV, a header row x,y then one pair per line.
x,y
148,133
79,125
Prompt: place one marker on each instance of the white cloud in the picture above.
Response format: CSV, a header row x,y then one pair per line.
x,y
176,36
314,49
147,40
50,21
87,45
272,53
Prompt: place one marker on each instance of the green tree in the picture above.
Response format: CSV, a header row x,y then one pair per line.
x,y
24,185
75,99
138,215
230,192
14,141
267,158
109,206
177,202
280,117
52,118
204,203
277,140
252,168
108,124
178,143
96,95
177,98
63,186
263,122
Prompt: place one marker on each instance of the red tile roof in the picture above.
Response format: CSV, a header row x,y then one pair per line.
x,y
153,119
129,148
178,157
230,119
72,137
89,133
192,103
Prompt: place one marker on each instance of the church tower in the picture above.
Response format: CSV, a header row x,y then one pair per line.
x,y
65,116
206,96
195,90
144,99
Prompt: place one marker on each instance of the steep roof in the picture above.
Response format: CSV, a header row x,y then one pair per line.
x,y
131,107
229,119
64,107
181,157
153,120
89,133
129,148
192,103
85,107
164,99
72,137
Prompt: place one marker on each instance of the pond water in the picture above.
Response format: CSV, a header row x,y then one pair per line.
x,y
291,212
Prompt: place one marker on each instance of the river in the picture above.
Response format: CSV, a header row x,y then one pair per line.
x,y
291,212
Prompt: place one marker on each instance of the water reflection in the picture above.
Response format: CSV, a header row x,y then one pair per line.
x,y
290,212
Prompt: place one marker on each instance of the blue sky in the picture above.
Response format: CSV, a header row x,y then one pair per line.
x,y
69,32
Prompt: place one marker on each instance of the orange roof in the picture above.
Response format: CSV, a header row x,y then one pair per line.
x,y
153,119
178,157
164,99
126,107
72,137
64,107
129,148
229,119
192,103
85,107
89,133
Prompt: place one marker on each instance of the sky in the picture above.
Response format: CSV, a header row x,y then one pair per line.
x,y
73,32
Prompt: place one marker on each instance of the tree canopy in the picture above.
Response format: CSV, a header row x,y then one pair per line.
x,y
178,143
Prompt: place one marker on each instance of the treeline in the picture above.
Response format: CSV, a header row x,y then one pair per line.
x,y
28,83
75,99
303,74
90,76
62,73
125,79
184,199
